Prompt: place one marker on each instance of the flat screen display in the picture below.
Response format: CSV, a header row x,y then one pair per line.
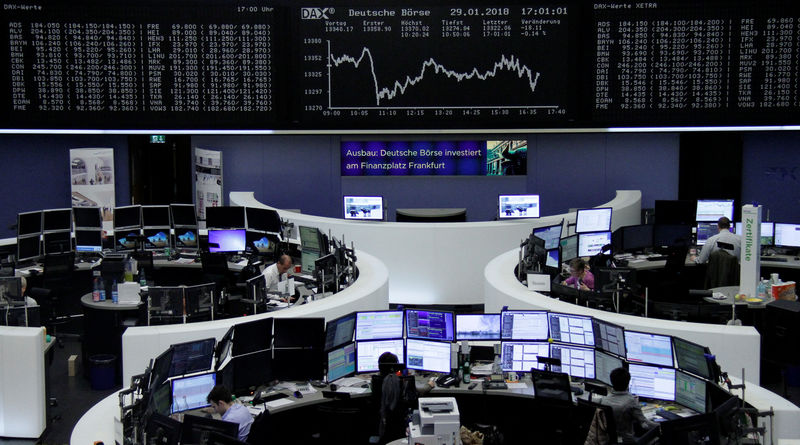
x,y
226,217
88,240
379,325
339,331
691,357
368,352
767,232
550,234
637,237
520,356
518,206
341,362
713,209
310,239
265,220
575,361
261,243
227,241
590,244
363,207
675,211
609,337
57,242
593,220
672,235
57,220
524,325
156,238
552,258
643,347
787,235
652,382
569,248
431,325
308,261
29,223
691,392
155,216
190,393
87,217
183,215
186,237
567,328
28,248
129,216
704,231
604,364
191,357
477,326
426,355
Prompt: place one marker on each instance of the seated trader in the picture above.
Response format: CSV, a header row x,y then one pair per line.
x,y
627,410
580,277
724,236
222,402
278,271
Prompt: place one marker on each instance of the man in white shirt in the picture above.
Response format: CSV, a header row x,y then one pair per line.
x,y
724,236
277,272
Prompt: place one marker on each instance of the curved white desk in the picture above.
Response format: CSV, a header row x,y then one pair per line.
x,y
97,424
369,292
440,263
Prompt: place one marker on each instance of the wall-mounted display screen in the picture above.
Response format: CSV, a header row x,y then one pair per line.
x,y
519,206
363,207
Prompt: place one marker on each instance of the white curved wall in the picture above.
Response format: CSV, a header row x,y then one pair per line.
x,y
369,292
440,263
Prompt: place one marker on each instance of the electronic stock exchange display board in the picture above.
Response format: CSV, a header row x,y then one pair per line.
x,y
281,65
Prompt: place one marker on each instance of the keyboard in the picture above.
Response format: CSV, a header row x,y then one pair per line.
x,y
777,259
669,415
656,258
494,385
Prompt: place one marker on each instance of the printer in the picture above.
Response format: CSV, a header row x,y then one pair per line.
x,y
437,422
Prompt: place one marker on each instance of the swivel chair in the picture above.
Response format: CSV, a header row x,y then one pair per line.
x,y
723,270
215,269
57,278
144,261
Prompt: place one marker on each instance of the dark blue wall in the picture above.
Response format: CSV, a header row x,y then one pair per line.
x,y
771,174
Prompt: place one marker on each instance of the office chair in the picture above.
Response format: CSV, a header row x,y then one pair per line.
x,y
144,261
723,270
597,420
215,269
57,278
393,396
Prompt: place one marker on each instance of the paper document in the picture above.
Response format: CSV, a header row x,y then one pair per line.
x,y
279,402
350,381
518,385
351,390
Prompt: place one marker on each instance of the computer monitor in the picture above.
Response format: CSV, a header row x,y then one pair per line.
x,y
704,231
637,238
575,361
363,207
161,399
653,382
591,243
568,328
340,331
521,356
126,239
193,356
57,220
250,371
29,223
691,392
261,243
609,337
160,370
431,325
308,261
87,217
551,385
593,220
524,325
186,237
155,216
424,355
691,357
88,240
308,332
265,220
127,217
11,290
252,336
675,211
183,215
550,234
163,430
672,235
604,364
298,364
310,239
368,352
767,232
156,239
199,298
341,362
518,206
28,248
57,242
644,347
787,235
714,209
227,241
569,248
225,217
379,325
552,258
196,429
477,327
190,393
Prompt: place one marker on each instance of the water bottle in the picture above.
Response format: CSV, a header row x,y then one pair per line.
x,y
102,290
761,289
114,292
142,279
96,289
466,371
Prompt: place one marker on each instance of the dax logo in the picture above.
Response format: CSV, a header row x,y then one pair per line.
x,y
315,13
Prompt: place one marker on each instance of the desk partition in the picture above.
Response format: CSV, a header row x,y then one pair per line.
x,y
22,382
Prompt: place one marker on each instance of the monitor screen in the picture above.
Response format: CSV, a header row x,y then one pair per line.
x,y
426,355
186,237
191,357
57,220
691,357
431,325
520,356
156,238
675,211
518,206
126,239
379,325
183,215
691,392
341,362
11,289
308,332
197,429
593,220
155,216
308,261
227,241
643,347
477,326
637,237
29,223
590,244
550,234
672,235
129,216
161,424
261,243
604,364
160,371
265,220
609,337
57,242
161,399
88,240
363,207
310,239
787,235
569,248
575,361
339,331
524,325
251,371
190,392
252,336
28,248
714,209
225,217
368,352
767,232
567,328
705,230
652,382
552,258
87,217
298,364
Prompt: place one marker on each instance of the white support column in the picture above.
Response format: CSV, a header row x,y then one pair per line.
x,y
751,250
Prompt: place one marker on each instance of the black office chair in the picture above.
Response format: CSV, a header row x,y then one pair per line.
x,y
215,269
57,279
393,396
723,269
144,261
597,420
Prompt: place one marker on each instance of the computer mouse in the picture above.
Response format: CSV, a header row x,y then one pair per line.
x,y
298,395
